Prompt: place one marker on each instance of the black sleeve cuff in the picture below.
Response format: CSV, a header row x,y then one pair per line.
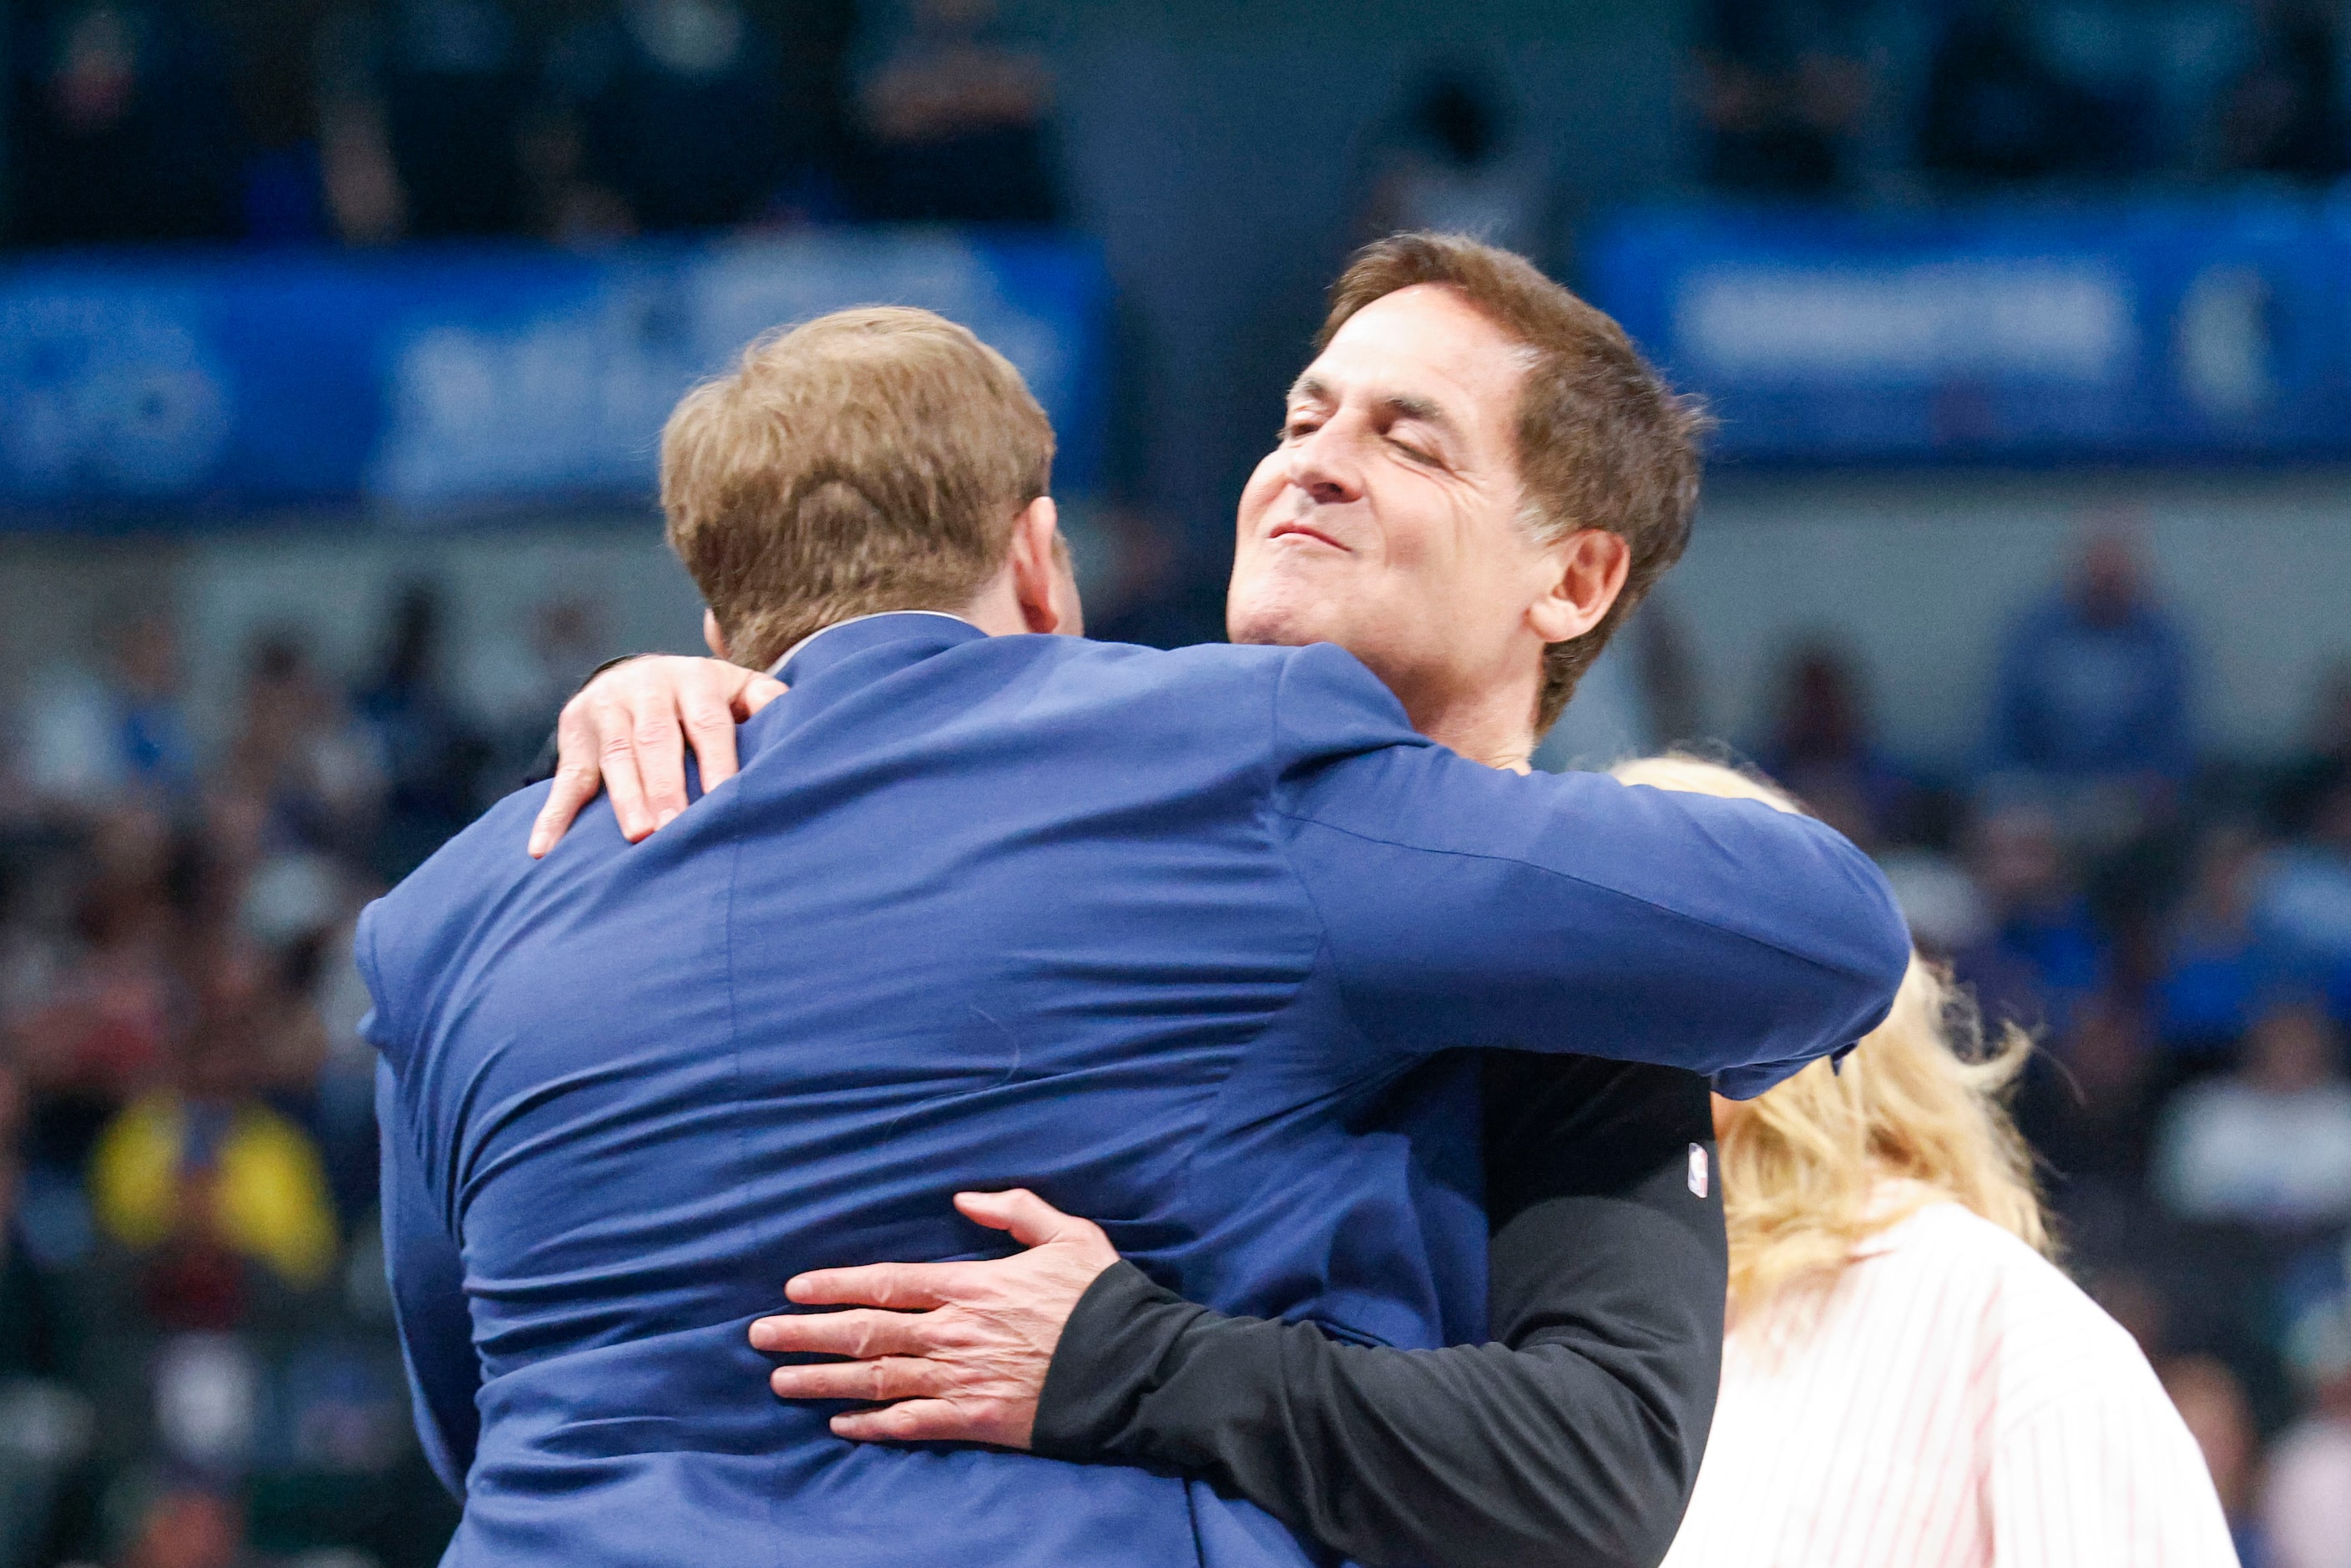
x,y
1109,1357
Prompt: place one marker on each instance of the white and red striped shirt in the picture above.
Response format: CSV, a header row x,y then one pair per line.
x,y
1958,1403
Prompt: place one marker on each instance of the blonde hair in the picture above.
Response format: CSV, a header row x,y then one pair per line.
x,y
869,460
1921,1102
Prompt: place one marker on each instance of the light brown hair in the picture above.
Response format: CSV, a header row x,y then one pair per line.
x,y
870,460
1602,442
1917,1114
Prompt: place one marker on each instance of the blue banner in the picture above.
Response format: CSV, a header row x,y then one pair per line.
x,y
432,382
2153,331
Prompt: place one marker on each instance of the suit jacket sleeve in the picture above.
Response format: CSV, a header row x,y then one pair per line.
x,y
1464,905
422,1262
1575,1439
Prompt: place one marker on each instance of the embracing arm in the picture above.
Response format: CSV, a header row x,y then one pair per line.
x,y
1574,1440
1463,905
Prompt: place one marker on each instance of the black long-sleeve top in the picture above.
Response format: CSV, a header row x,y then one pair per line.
x,y
1573,1438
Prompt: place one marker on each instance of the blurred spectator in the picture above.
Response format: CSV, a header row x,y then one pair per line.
x,y
300,756
2210,965
1821,747
424,118
123,127
2213,1405
2306,1503
957,121
1784,85
30,1327
2285,114
674,116
273,50
44,1426
99,1031
2083,1100
2302,908
188,1526
2269,1144
204,1171
2045,954
1453,165
2323,762
431,757
1997,110
818,113
2094,686
92,739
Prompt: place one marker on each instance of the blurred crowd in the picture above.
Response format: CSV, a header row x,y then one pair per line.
x,y
2174,927
366,121
196,1361
1887,98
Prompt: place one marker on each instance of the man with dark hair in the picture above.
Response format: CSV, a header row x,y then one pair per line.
x,y
1177,937
1600,443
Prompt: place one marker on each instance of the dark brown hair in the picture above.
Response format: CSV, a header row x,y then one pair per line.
x,y
869,460
1602,442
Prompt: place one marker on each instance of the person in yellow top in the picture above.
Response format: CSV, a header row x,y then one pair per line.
x,y
241,1173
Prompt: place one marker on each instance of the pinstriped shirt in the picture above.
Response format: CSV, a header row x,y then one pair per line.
x,y
1958,1403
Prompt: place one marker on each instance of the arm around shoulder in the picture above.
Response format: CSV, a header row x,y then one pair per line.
x,y
1570,912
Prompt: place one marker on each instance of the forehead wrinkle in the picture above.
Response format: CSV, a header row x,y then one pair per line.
x,y
1412,406
1312,388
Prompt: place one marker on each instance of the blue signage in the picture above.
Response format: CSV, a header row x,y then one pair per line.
x,y
428,382
2147,331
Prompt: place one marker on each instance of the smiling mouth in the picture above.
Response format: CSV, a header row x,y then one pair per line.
x,y
1299,530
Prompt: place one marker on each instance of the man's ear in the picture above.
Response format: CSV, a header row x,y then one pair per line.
x,y
1591,564
712,637
1039,564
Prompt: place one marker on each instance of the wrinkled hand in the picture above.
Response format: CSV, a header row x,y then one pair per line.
x,y
958,1351
627,731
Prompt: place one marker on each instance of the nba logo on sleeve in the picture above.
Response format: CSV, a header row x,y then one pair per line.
x,y
1697,1169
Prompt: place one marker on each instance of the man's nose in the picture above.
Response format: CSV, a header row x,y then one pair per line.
x,y
1322,465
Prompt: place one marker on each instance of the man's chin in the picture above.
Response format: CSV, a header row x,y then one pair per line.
x,y
1280,626
1287,603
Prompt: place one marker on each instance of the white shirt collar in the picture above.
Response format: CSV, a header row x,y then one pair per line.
x,y
793,652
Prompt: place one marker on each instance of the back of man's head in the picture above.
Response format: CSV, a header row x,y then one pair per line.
x,y
1602,442
870,460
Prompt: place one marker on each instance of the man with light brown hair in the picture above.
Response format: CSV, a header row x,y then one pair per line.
x,y
1173,939
909,455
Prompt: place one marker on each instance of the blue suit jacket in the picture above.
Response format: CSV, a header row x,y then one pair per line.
x,y
1154,933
